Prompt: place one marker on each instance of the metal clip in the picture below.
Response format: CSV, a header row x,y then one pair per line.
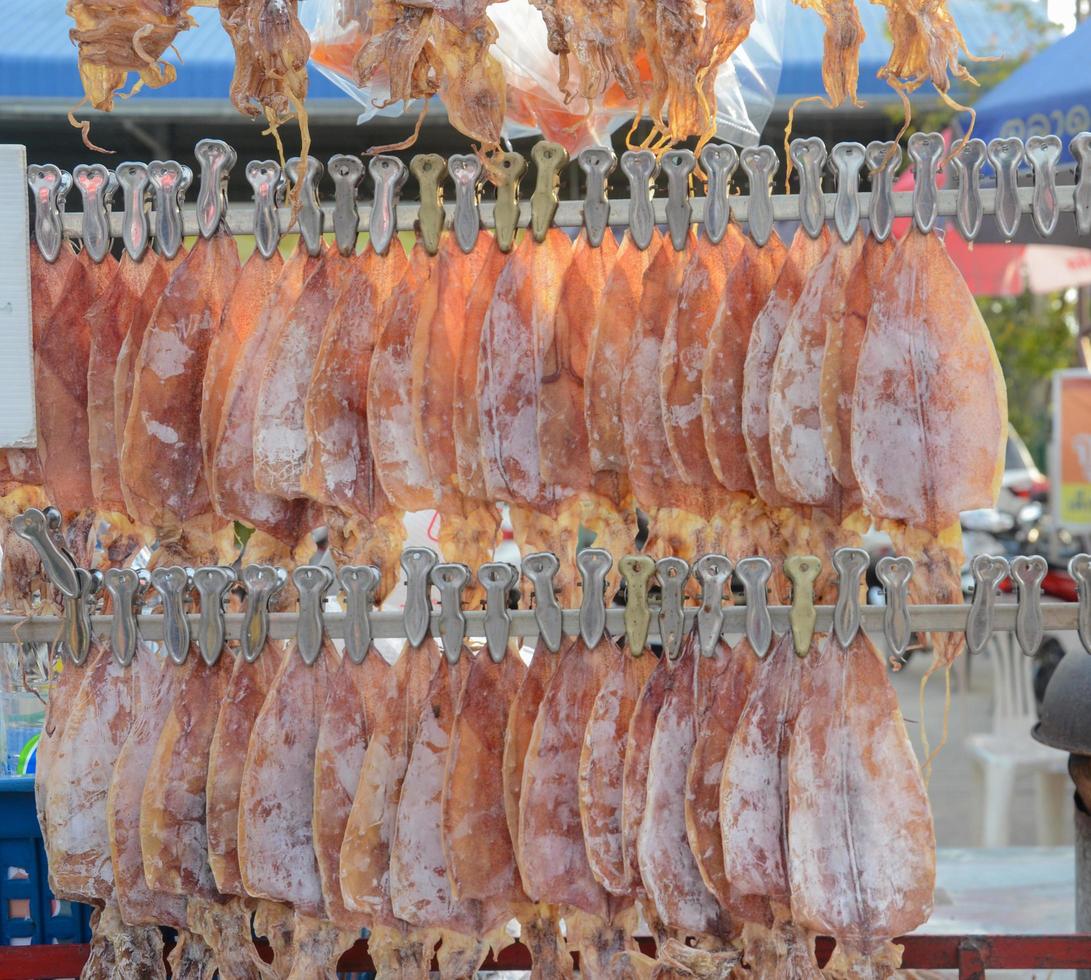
x,y
550,159
718,160
50,186
169,180
430,169
216,159
417,612
312,582
125,587
262,583
388,174
988,571
894,574
850,563
846,161
359,583
1027,573
75,638
507,175
540,568
597,163
967,164
926,151
802,571
450,578
465,170
672,574
1079,567
760,164
212,584
265,178
641,168
498,578
35,526
1005,155
135,227
809,157
678,165
713,572
637,570
1043,152
172,583
883,160
347,172
754,573
1080,147
97,187
593,564
310,217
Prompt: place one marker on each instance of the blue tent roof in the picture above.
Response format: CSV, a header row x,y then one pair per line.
x,y
39,61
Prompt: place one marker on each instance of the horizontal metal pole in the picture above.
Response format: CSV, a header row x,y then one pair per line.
x,y
388,625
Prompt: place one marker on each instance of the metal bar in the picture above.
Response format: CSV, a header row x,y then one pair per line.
x,y
971,958
240,216
939,619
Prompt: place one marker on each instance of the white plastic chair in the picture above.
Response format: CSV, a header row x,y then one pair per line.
x,y
1009,750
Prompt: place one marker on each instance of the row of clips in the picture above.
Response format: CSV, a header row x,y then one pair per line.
x,y
716,575
153,194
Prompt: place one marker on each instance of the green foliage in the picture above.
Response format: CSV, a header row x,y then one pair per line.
x,y
1034,336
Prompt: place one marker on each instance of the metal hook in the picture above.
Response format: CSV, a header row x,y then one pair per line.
x,y
926,151
641,168
967,164
719,161
466,172
1027,573
347,172
809,157
172,583
1005,155
262,583
988,571
310,217
1079,567
508,174
75,638
802,571
894,574
850,563
678,165
883,160
636,571
212,584
417,613
312,583
34,526
597,163
540,568
388,174
713,572
1043,152
430,169
135,227
97,187
760,164
264,177
1080,148
169,180
672,574
49,185
216,159
754,573
359,583
126,587
450,578
846,161
498,578
593,564
550,159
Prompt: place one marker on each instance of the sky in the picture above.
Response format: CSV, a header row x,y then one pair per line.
x,y
1062,12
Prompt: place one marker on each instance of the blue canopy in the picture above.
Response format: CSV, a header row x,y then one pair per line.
x,y
1051,93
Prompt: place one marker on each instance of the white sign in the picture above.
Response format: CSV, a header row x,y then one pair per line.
x,y
17,424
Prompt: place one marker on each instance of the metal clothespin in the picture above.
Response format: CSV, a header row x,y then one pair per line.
x,y
212,584
713,572
1006,155
846,161
988,571
262,583
754,573
135,226
507,176
170,180
597,163
265,178
172,583
641,168
126,588
450,578
809,157
1027,573
36,526
498,579
417,612
550,159
760,164
802,571
594,564
75,637
430,169
1079,567
925,150
672,574
97,187
637,571
719,161
540,568
967,164
346,172
216,159
466,171
49,186
850,563
310,217
312,582
388,174
894,574
359,583
1043,152
883,160
678,165
1080,148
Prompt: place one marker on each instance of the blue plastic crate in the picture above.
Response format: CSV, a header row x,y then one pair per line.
x,y
29,914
